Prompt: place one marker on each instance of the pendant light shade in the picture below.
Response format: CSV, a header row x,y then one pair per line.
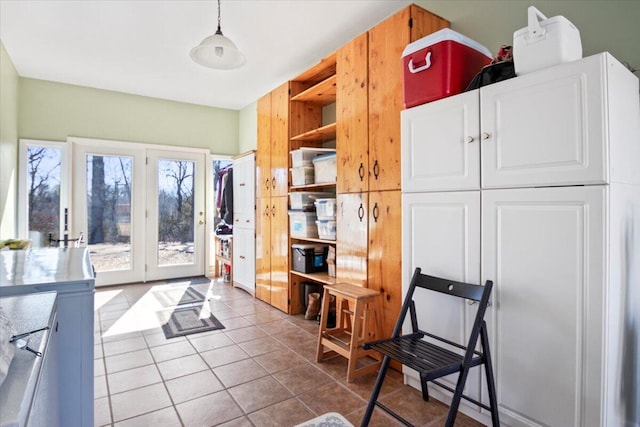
x,y
217,51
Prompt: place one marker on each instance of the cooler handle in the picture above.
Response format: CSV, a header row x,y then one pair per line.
x,y
535,31
427,59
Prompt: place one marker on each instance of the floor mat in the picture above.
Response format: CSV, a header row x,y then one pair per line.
x,y
186,320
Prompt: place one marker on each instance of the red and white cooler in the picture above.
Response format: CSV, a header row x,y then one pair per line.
x,y
440,65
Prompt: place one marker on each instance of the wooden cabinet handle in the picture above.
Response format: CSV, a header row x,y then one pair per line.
x,y
376,169
375,211
361,172
361,212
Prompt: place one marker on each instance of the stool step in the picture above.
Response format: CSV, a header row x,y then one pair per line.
x,y
343,337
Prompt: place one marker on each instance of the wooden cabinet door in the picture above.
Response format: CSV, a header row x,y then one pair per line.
x,y
441,235
351,233
280,140
384,270
441,145
544,250
352,134
280,253
263,249
546,128
263,154
387,40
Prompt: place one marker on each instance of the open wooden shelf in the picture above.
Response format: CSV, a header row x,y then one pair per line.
x,y
324,133
322,93
323,69
317,277
312,186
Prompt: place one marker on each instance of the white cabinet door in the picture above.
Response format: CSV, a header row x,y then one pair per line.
x,y
544,250
244,256
441,235
546,128
244,191
440,145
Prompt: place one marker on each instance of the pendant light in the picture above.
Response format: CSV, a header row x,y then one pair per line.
x,y
217,51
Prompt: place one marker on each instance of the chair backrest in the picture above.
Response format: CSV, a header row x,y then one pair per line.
x,y
478,293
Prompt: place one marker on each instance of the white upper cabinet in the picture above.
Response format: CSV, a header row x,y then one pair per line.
x,y
558,126
440,145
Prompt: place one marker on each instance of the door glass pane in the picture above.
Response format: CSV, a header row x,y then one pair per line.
x,y
43,187
175,212
109,211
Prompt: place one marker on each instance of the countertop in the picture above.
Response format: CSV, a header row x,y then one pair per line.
x,y
27,313
41,267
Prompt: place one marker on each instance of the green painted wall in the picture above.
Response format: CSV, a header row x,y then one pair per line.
x,y
248,128
9,87
54,111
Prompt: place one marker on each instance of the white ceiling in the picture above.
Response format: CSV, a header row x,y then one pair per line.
x,y
142,47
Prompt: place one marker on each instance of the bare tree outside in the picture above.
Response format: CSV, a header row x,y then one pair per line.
x,y
43,183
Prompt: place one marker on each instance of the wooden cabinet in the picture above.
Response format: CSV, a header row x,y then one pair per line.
x,y
370,98
557,240
368,103
272,161
272,252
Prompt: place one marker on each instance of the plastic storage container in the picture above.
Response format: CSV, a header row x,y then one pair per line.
x,y
545,42
440,65
326,208
302,175
309,258
303,156
303,224
304,200
326,229
325,168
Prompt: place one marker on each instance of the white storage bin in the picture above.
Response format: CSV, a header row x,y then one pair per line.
x,y
325,168
326,208
303,156
305,199
303,224
545,42
302,175
326,229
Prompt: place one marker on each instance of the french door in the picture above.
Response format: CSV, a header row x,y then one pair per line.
x,y
141,210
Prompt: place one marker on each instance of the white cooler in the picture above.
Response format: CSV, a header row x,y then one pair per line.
x,y
545,42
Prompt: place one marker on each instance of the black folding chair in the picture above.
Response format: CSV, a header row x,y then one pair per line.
x,y
433,361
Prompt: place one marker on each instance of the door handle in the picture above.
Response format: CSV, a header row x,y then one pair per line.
x,y
201,222
376,169
266,184
361,212
273,182
361,172
273,211
375,212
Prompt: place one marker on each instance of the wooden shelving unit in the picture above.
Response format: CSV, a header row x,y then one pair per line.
x,y
323,278
322,93
324,133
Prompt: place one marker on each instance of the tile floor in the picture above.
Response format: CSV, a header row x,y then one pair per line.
x,y
259,371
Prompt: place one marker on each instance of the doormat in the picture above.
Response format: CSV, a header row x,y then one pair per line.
x,y
178,296
186,320
331,419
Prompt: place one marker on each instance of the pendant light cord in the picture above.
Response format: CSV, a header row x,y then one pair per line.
x,y
219,28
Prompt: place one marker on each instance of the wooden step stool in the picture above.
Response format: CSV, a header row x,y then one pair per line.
x,y
358,319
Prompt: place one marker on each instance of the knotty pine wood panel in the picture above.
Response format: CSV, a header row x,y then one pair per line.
x,y
280,140
384,269
351,245
387,41
352,133
263,249
280,253
263,154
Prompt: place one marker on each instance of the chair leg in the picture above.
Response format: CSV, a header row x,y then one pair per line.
x,y
488,370
376,391
457,396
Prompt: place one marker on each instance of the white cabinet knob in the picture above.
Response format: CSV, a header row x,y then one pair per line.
x,y
486,135
469,139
